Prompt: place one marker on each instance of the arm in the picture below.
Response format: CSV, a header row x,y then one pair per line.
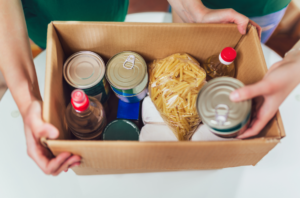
x,y
277,84
193,11
18,69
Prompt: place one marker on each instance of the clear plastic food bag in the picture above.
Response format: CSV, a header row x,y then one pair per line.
x,y
173,85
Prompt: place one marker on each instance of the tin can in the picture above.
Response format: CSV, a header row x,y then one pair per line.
x,y
127,75
223,117
132,98
85,70
121,129
134,91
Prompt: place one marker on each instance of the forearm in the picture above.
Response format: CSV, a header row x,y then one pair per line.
x,y
16,61
190,10
293,55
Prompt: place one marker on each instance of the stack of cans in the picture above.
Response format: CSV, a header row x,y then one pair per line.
x,y
85,70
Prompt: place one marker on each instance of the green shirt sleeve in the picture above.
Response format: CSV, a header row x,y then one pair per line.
x,y
249,8
39,13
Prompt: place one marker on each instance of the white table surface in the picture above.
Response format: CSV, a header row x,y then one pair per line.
x,y
276,175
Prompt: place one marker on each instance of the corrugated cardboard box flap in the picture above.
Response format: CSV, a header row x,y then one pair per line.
x,y
54,105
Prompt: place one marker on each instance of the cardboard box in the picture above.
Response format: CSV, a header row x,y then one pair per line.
x,y
152,41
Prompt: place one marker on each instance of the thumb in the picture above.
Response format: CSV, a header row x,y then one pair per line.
x,y
249,92
38,127
48,131
242,23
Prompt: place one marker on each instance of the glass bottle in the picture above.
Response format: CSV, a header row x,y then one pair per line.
x,y
85,116
221,64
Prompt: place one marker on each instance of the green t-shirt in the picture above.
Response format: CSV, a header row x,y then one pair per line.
x,y
39,13
249,8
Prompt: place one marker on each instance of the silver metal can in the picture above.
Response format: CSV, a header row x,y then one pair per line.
x,y
85,70
127,75
223,117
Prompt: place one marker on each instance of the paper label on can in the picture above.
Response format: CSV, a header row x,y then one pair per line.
x,y
98,97
99,91
106,86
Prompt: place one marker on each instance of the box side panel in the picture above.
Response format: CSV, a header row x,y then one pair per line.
x,y
280,124
250,62
150,40
54,101
251,67
128,157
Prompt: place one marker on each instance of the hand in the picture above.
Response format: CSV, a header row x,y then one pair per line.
x,y
280,80
193,11
35,128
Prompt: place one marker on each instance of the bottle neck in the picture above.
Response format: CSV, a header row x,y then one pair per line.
x,y
84,113
224,62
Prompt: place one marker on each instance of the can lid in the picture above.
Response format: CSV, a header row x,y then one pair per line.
x,y
228,54
84,69
121,129
126,70
79,100
215,107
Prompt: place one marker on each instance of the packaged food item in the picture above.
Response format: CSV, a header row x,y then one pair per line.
x,y
174,84
221,64
127,75
156,132
85,116
85,70
222,116
129,111
121,129
203,134
150,115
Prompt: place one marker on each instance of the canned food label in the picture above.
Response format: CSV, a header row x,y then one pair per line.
x,y
98,97
99,91
106,86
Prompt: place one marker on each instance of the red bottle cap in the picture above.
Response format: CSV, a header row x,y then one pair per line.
x,y
228,54
79,100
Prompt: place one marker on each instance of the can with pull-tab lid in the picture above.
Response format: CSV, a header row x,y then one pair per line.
x,y
127,75
222,116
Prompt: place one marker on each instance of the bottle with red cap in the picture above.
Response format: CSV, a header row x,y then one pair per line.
x,y
85,116
221,64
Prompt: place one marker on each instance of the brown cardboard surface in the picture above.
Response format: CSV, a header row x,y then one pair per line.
x,y
153,41
54,104
120,155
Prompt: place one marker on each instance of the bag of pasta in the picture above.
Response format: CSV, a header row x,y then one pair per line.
x,y
174,84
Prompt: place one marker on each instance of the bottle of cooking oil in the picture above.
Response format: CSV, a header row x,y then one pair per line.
x,y
221,64
85,116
